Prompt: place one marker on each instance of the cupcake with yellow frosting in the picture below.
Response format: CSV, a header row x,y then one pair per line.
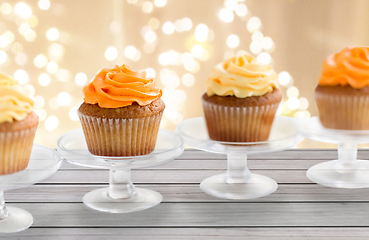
x,y
18,124
342,95
241,100
121,112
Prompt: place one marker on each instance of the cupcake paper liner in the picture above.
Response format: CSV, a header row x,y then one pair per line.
x,y
15,150
343,112
239,124
120,137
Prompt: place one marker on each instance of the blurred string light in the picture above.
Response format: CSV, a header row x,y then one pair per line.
x,y
226,15
111,53
154,23
201,33
63,75
21,59
40,60
21,76
52,34
160,3
51,123
73,114
23,10
80,79
188,79
3,57
44,4
168,28
147,7
150,73
6,8
233,41
44,79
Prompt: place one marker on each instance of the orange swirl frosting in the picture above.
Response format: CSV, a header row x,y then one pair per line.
x,y
348,67
120,87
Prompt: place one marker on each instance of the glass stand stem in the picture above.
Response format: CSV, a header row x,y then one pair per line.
x,y
120,184
347,155
237,170
3,211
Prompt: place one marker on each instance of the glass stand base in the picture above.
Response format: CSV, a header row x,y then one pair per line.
x,y
253,187
334,174
142,199
17,220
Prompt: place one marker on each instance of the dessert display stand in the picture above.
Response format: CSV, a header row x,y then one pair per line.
x,y
121,196
43,163
238,182
346,171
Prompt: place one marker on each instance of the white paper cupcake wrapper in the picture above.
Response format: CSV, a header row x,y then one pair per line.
x,y
15,150
343,112
239,124
120,137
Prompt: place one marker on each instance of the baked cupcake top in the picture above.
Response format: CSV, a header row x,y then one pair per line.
x,y
119,87
241,76
15,101
348,67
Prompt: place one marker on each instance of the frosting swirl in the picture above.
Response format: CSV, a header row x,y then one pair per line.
x,y
15,104
348,67
120,87
241,76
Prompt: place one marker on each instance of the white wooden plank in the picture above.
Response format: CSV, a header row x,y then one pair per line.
x,y
319,154
190,233
168,176
190,193
204,215
326,154
221,164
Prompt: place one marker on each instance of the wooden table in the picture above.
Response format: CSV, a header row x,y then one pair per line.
x,y
299,209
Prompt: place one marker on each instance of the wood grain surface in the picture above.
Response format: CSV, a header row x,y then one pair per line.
x,y
299,209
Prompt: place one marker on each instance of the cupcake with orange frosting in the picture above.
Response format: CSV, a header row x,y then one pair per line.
x,y
241,100
121,112
18,124
342,95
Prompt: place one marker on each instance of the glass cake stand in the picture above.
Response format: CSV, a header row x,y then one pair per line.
x,y
346,171
121,196
238,182
43,163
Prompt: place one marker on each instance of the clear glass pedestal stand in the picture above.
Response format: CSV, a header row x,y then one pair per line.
x,y
43,163
121,196
345,172
238,182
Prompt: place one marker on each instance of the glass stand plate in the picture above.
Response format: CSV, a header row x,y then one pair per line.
x,y
142,199
238,182
346,171
43,163
121,196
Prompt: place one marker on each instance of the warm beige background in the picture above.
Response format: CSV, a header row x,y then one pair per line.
x,y
304,33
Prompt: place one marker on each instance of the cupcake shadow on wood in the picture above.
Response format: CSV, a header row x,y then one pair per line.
x,y
241,100
122,112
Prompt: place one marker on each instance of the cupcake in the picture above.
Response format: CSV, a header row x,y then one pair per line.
x,y
342,95
18,124
241,100
121,112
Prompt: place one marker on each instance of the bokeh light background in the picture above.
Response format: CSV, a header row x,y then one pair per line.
x,y
55,47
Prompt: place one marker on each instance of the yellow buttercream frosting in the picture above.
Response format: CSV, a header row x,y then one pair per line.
x,y
241,76
15,103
